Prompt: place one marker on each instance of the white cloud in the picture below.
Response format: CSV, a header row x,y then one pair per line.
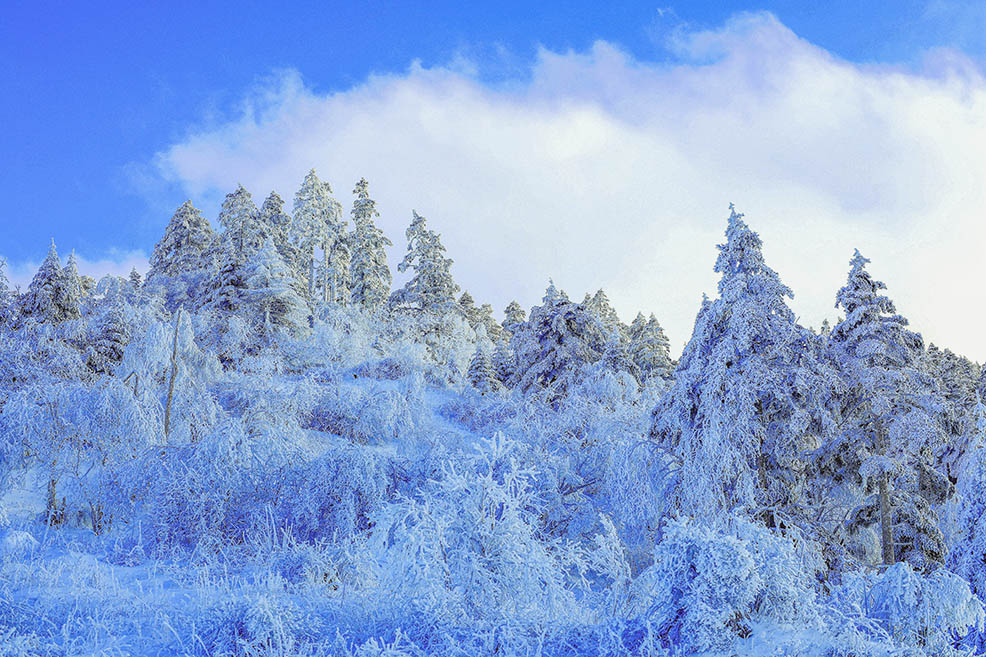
x,y
601,170
117,263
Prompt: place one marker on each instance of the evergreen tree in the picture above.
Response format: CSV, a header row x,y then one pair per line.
x,y
313,216
369,274
616,357
481,374
277,226
553,346
649,348
135,279
184,258
69,297
334,232
240,219
431,288
109,339
269,289
599,305
7,296
45,295
513,315
340,261
731,420
226,289
637,326
503,361
484,318
888,445
467,305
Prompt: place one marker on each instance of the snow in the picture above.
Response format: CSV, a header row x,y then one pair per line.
x,y
374,480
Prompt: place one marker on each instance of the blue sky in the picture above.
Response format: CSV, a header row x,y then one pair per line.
x,y
92,88
102,105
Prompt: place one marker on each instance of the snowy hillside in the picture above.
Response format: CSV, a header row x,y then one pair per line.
x,y
262,448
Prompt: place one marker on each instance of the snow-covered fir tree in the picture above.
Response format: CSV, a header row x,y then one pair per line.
x,y
513,315
240,219
183,258
313,216
431,288
649,348
276,225
110,335
891,435
599,305
7,295
45,296
467,306
186,238
481,374
503,360
730,419
552,346
69,293
369,274
269,288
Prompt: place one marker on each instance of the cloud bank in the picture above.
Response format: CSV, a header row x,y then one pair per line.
x,y
601,170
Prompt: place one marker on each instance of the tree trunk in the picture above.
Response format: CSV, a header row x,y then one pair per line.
x,y
174,373
325,271
886,527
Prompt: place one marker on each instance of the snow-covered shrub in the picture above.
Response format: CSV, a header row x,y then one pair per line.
x,y
252,627
467,550
710,586
924,613
334,495
86,441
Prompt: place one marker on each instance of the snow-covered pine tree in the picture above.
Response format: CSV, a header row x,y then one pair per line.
x,y
109,338
637,326
599,305
225,291
503,360
340,260
240,219
179,251
7,296
432,288
334,231
313,207
88,284
554,344
481,374
41,302
729,419
277,225
513,315
69,294
467,305
369,274
484,317
183,259
269,289
616,357
891,435
649,348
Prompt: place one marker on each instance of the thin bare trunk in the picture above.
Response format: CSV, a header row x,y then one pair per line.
x,y
174,374
886,528
325,271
